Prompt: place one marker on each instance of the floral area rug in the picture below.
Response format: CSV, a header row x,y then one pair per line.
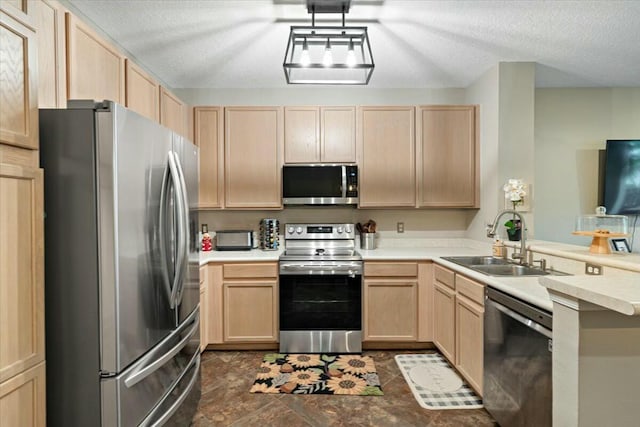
x,y
317,374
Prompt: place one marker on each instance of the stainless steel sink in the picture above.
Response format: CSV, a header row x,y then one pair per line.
x,y
476,260
509,270
500,267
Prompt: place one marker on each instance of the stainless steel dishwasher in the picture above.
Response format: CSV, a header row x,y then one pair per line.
x,y
517,361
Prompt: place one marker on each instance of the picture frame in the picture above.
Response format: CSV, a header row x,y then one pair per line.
x,y
620,245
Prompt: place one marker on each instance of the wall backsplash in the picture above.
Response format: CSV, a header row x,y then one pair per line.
x,y
445,223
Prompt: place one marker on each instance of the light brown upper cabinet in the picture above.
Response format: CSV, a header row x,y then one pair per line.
x,y
386,147
253,157
52,52
448,156
319,135
19,84
22,10
95,68
210,138
142,92
173,112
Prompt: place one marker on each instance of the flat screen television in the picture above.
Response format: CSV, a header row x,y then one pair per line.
x,y
622,177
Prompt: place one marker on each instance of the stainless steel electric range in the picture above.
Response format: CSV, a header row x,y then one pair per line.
x,y
320,290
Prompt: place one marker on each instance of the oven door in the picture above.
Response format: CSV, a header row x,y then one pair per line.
x,y
320,308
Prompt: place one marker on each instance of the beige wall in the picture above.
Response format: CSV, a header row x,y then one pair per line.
x,y
571,125
321,96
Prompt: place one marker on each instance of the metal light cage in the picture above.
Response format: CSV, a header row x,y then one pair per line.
x,y
340,40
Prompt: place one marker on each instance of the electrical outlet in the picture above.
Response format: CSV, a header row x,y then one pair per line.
x,y
400,227
593,269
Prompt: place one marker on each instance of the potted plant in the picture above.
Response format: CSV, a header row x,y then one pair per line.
x,y
514,192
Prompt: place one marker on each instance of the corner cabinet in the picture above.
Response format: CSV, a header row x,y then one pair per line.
x,y
448,156
209,136
320,135
95,68
253,157
386,151
459,323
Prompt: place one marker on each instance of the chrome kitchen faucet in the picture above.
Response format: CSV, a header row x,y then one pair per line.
x,y
491,232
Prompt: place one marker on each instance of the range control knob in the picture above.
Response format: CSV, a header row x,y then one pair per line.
x,y
348,229
299,230
290,230
340,230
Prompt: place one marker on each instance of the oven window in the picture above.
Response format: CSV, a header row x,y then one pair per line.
x,y
327,302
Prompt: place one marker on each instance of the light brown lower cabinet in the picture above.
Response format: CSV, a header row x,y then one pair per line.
x,y
469,340
444,320
459,323
241,301
22,399
393,293
204,308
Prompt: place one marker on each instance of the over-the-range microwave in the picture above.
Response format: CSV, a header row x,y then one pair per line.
x,y
320,184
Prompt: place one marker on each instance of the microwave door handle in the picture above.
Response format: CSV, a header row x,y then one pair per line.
x,y
344,181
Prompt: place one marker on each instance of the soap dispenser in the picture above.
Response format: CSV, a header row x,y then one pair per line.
x,y
499,249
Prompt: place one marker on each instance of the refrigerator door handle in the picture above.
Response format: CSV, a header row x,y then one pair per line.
x,y
139,374
185,225
162,223
181,236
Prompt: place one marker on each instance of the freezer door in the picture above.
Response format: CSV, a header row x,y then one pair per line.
x,y
154,387
135,307
189,293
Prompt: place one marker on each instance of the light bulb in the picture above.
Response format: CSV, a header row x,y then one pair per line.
x,y
327,59
351,55
305,60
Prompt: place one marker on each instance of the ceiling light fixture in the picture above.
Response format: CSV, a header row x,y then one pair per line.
x,y
328,54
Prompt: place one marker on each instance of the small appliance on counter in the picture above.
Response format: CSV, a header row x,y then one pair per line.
x,y
234,240
269,234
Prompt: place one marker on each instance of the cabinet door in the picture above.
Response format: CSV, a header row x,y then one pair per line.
x,y
204,311
387,157
173,112
390,310
338,134
95,68
250,311
215,296
444,320
253,157
22,10
18,83
52,55
209,137
448,156
301,135
21,269
22,399
142,92
469,341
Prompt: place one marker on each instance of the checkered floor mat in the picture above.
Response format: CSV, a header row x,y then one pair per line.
x,y
434,384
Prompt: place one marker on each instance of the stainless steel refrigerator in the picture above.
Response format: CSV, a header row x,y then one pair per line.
x,y
121,268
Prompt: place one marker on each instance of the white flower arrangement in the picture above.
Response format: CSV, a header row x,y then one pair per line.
x,y
514,191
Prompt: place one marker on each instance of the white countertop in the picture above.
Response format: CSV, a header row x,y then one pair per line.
x,y
621,294
257,255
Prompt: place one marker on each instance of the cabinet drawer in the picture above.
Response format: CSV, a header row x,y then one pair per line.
x,y
244,270
472,290
444,276
391,269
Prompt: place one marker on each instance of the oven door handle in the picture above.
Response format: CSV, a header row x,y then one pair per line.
x,y
351,270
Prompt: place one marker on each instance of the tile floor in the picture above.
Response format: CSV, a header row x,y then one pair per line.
x,y
227,377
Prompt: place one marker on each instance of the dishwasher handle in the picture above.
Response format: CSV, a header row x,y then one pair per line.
x,y
520,318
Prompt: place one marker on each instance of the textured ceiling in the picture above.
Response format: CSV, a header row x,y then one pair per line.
x,y
415,43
